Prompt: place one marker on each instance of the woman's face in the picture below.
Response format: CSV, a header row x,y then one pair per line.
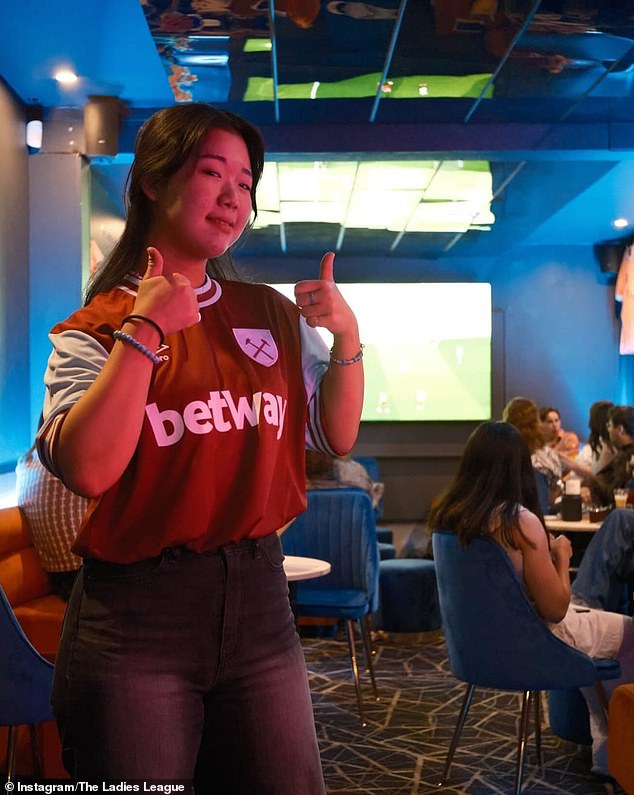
x,y
203,208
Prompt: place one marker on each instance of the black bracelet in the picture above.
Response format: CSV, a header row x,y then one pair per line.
x,y
146,320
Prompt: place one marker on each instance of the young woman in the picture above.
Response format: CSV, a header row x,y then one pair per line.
x,y
494,494
524,415
599,451
181,403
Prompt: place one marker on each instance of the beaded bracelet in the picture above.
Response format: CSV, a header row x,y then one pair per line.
x,y
356,358
128,339
149,320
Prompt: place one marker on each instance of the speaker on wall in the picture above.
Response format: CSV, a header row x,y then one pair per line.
x,y
103,116
610,254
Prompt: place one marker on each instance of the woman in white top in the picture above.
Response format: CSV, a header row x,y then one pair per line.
x,y
494,494
599,451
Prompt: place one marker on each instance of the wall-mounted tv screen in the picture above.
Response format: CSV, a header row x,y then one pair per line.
x,y
427,349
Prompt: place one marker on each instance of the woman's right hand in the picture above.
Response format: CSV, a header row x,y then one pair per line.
x,y
168,299
560,549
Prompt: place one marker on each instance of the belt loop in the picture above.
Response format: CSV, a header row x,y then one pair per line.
x,y
256,551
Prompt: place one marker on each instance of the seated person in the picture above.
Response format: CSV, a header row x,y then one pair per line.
x,y
561,441
607,564
617,473
599,451
524,415
54,514
323,471
493,496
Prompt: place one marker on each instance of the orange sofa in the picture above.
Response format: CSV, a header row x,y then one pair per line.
x,y
621,737
40,614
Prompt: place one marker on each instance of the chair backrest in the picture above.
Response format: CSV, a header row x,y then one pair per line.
x,y
495,637
338,526
543,491
26,678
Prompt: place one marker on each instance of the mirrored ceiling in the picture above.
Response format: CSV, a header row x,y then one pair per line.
x,y
405,128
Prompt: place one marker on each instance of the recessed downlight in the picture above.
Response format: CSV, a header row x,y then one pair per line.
x,y
66,76
620,223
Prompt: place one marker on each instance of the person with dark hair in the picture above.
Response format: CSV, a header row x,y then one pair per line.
x,y
493,495
561,441
618,472
524,415
181,403
598,452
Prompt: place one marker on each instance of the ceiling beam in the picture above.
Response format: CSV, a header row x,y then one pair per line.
x,y
571,140
574,141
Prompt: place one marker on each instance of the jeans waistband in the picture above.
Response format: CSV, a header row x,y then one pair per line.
x,y
251,546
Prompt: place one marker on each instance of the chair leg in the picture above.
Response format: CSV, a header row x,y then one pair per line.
x,y
457,731
521,741
355,668
536,696
36,754
601,695
365,634
11,743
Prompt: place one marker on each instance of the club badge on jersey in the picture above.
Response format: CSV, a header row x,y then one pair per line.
x,y
258,344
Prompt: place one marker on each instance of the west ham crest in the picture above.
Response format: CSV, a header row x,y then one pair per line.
x,y
258,344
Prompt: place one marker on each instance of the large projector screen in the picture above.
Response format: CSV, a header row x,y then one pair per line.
x,y
427,349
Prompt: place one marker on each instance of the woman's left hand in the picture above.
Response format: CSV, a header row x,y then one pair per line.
x,y
321,303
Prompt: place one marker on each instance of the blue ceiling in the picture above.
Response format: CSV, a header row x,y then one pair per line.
x,y
556,123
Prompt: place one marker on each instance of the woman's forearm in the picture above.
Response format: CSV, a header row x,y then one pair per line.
x,y
563,572
576,466
101,431
342,394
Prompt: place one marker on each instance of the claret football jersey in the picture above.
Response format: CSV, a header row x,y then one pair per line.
x,y
231,408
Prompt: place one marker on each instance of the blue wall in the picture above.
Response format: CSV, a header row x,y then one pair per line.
x,y
560,336
559,340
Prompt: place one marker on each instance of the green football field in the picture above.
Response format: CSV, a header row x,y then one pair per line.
x,y
445,380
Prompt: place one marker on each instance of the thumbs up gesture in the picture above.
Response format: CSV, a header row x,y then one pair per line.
x,y
321,303
167,298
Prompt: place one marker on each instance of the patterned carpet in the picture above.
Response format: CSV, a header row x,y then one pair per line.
x,y
402,749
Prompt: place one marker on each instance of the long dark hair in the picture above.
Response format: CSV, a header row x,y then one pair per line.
x,y
494,480
598,424
163,145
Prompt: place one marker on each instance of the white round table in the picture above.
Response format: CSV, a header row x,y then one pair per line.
x,y
298,568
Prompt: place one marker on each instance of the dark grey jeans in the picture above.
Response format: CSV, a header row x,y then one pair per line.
x,y
187,668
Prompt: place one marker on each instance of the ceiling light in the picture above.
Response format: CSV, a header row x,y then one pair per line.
x,y
34,134
65,76
254,45
34,116
620,223
377,195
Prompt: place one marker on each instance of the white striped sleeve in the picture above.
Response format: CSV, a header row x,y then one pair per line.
x,y
315,361
76,361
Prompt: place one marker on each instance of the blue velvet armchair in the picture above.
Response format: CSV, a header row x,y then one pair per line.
x,y
339,527
26,680
496,639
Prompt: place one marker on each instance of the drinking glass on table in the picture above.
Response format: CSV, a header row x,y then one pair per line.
x,y
620,497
